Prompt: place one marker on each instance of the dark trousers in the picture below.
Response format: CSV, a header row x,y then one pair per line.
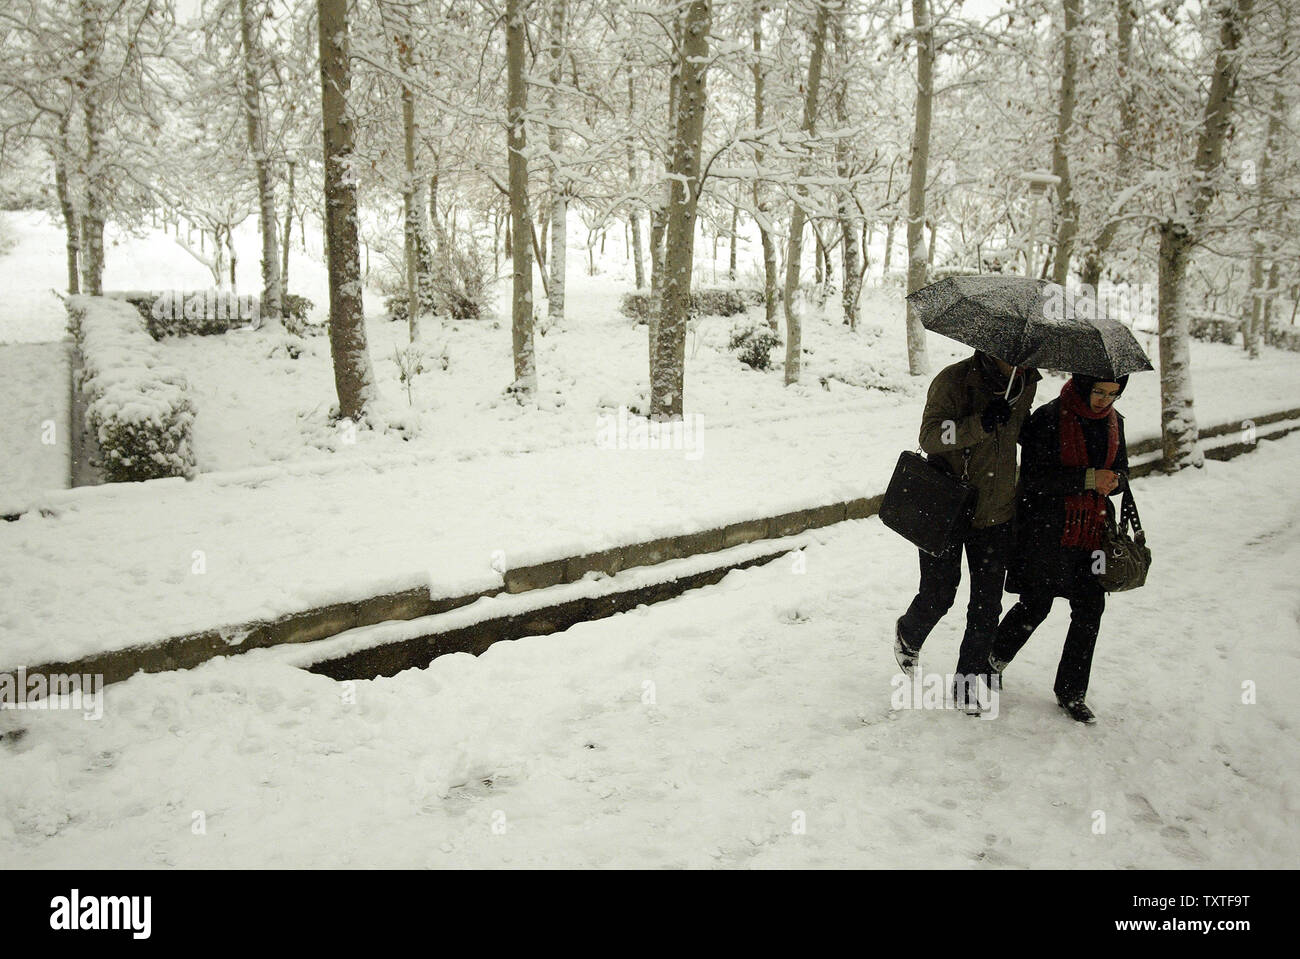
x,y
1087,603
987,552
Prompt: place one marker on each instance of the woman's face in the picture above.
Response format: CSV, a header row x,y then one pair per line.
x,y
1103,395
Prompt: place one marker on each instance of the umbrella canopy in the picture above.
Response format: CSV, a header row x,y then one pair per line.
x,y
1028,323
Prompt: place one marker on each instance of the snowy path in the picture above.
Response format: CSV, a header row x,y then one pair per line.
x,y
35,390
771,699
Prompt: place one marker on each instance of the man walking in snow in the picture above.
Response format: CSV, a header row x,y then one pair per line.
x,y
970,427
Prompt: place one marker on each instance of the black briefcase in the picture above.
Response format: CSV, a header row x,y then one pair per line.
x,y
927,505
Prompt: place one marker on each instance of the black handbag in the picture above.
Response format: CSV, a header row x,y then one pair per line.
x,y
1125,560
927,505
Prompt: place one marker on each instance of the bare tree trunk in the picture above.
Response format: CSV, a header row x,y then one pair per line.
x,y
918,259
1178,422
559,189
92,221
659,215
852,275
846,210
668,375
353,375
634,218
521,318
760,202
658,223
433,204
638,256
70,228
793,325
889,245
1270,298
284,249
250,25
412,205
234,258
1125,15
731,262
1069,224
218,256
1254,332
1177,418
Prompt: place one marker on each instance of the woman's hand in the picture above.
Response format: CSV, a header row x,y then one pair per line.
x,y
1106,481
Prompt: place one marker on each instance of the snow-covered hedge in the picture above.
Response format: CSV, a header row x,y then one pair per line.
x,y
190,312
943,272
708,301
139,409
1214,328
208,312
1283,337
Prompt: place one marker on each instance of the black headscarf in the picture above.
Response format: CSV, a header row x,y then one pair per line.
x,y
1083,383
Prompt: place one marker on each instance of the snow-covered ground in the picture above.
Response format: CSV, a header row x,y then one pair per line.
x,y
746,724
35,445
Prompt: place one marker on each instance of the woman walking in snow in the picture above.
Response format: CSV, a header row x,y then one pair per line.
x,y
1074,457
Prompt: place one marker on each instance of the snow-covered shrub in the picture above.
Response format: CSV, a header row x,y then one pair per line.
x,y
396,301
1214,328
943,272
139,409
459,287
754,343
461,280
706,301
725,301
190,312
1283,337
296,312
635,305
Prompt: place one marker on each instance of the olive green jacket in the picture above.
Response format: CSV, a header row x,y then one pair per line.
x,y
951,424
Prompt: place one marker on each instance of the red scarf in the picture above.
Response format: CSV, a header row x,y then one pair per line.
x,y
1085,513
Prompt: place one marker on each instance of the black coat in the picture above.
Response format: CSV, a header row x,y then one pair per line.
x,y
1040,562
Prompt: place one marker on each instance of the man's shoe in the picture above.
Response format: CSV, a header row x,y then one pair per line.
x,y
1078,711
905,655
997,665
967,699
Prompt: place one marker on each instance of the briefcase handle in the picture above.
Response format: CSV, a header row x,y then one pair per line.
x,y
965,462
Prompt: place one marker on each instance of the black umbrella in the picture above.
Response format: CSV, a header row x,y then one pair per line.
x,y
1028,323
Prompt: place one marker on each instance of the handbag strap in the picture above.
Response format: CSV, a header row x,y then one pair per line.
x,y
1129,512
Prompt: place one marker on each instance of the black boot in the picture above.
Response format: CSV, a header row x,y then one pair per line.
x,y
906,655
1078,711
